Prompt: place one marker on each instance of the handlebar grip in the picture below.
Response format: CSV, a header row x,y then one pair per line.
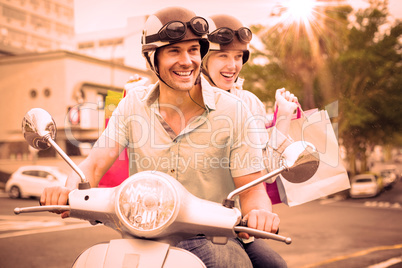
x,y
263,234
68,203
244,222
41,209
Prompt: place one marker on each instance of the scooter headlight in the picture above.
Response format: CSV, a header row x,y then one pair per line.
x,y
147,203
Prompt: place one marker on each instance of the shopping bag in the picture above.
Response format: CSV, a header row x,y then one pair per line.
x,y
331,177
273,192
119,171
272,187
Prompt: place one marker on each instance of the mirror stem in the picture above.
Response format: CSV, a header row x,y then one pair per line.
x,y
68,160
229,201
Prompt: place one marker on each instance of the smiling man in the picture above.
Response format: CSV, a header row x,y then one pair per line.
x,y
176,126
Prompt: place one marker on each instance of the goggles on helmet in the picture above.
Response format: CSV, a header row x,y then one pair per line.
x,y
176,30
225,35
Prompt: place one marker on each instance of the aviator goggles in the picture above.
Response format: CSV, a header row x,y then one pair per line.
x,y
176,30
226,35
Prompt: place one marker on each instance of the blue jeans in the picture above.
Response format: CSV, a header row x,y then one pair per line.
x,y
234,254
262,255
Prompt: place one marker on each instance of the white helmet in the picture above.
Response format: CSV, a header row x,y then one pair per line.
x,y
172,25
228,33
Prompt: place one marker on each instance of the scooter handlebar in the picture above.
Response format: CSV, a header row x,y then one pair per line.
x,y
263,234
41,209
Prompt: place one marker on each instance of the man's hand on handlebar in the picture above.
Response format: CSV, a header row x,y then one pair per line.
x,y
261,219
56,196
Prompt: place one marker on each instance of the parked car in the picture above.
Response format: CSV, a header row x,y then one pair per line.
x,y
366,185
30,181
391,175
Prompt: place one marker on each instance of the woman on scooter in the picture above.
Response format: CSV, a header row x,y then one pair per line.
x,y
229,50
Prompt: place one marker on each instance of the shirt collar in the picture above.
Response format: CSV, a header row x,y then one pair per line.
x,y
208,94
153,94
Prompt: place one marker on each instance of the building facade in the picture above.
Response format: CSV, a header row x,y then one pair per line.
x,y
60,82
36,26
121,45
40,67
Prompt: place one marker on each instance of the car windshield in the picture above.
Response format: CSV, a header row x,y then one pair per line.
x,y
363,180
385,172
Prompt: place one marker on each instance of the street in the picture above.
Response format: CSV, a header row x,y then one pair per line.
x,y
326,233
343,233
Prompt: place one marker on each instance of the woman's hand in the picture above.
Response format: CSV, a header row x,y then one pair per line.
x,y
286,102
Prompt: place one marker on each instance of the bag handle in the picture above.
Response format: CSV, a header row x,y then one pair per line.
x,y
299,112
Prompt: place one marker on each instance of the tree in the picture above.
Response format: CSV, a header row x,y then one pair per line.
x,y
368,80
294,55
353,59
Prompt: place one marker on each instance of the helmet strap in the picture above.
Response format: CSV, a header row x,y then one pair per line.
x,y
208,77
151,65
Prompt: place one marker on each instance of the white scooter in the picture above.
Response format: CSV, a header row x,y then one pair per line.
x,y
152,210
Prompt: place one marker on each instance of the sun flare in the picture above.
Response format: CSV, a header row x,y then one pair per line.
x,y
297,10
301,19
301,27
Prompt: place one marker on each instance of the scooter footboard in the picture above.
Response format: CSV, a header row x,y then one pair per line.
x,y
136,253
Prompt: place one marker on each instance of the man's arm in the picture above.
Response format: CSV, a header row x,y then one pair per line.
x,y
256,206
100,159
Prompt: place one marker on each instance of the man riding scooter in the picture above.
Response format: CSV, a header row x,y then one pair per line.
x,y
186,128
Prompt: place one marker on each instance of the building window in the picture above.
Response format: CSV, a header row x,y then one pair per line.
x,y
16,38
47,5
39,23
110,42
14,14
57,9
33,93
86,45
64,30
46,92
40,43
35,3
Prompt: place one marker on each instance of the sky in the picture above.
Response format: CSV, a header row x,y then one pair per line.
x,y
96,15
